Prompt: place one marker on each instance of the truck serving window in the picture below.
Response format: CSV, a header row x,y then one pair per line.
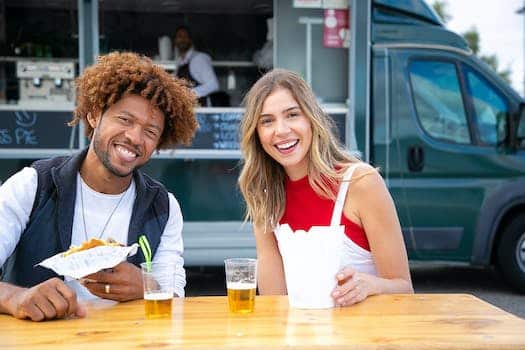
x,y
489,107
437,98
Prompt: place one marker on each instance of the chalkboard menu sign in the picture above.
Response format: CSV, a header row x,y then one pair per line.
x,y
340,124
217,131
22,129
35,129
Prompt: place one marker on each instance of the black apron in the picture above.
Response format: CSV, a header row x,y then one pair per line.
x,y
218,98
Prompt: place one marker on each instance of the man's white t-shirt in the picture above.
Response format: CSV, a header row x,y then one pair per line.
x,y
17,196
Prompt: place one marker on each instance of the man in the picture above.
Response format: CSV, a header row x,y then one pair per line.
x,y
129,108
195,67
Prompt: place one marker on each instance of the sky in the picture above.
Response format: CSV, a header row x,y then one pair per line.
x,y
500,28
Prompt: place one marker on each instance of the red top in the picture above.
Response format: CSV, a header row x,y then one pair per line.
x,y
309,209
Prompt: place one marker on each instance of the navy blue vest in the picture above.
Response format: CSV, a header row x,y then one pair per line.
x,y
49,229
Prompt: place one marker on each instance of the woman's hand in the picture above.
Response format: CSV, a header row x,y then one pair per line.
x,y
353,287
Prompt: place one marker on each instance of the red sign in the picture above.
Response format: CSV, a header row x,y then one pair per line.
x,y
336,28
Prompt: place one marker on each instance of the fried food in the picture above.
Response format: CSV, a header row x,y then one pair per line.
x,y
92,243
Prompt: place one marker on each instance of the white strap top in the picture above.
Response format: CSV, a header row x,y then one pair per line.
x,y
352,254
341,196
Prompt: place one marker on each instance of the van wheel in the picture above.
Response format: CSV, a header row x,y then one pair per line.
x,y
511,253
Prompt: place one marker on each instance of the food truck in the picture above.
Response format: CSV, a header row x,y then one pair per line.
x,y
445,131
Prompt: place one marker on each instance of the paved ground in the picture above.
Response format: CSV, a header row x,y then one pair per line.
x,y
486,284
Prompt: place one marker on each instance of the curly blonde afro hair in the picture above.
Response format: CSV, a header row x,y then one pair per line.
x,y
120,73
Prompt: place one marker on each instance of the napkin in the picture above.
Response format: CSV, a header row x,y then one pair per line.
x,y
311,260
80,264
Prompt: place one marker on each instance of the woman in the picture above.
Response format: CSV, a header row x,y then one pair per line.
x,y
292,171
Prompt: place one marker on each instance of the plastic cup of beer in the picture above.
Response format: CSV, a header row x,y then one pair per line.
x,y
159,280
241,282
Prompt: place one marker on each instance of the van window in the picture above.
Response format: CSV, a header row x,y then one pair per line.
x,y
489,107
438,100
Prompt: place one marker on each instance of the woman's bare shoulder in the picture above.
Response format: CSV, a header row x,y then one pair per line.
x,y
365,171
366,180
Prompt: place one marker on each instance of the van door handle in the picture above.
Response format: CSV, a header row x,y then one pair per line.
x,y
416,158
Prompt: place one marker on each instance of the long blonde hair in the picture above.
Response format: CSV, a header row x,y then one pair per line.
x,y
262,178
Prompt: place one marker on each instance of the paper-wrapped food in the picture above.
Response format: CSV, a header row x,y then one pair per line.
x,y
89,257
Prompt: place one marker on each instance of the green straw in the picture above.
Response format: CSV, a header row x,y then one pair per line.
x,y
146,250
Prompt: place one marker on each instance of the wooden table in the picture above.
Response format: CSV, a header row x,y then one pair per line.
x,y
420,321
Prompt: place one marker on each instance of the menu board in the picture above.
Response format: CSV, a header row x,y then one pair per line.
x,y
35,129
217,131
21,129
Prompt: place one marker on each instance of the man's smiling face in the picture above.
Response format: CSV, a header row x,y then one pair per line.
x,y
126,134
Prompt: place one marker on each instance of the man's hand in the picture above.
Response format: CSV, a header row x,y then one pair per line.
x,y
122,283
47,300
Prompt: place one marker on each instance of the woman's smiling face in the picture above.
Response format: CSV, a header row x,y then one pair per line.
x,y
285,132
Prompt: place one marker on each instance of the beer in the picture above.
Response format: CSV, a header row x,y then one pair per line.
x,y
158,305
241,297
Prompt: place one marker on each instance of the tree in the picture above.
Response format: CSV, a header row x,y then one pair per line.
x,y
473,40
440,6
493,62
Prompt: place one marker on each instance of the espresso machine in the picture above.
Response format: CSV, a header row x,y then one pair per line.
x,y
46,82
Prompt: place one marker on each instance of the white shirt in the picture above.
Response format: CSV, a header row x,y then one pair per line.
x,y
201,70
18,193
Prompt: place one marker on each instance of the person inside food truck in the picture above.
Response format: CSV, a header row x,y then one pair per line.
x,y
196,67
130,108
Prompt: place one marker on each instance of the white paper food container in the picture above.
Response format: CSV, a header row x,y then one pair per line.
x,y
311,260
